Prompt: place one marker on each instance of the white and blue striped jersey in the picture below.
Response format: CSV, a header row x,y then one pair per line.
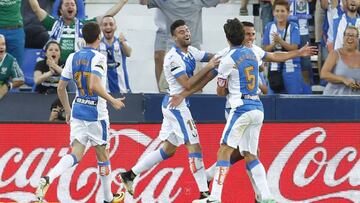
x,y
260,55
117,76
178,63
240,69
340,25
330,15
292,37
87,105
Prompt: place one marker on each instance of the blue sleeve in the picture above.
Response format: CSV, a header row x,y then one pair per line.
x,y
96,73
179,74
294,34
64,78
205,58
336,23
266,37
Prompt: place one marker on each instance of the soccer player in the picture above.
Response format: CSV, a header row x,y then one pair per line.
x,y
89,116
238,77
260,55
178,127
117,49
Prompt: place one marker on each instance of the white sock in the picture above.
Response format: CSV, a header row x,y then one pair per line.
x,y
210,172
256,190
149,161
105,177
221,171
197,169
258,173
65,162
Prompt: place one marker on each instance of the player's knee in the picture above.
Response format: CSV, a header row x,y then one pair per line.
x,y
104,168
169,149
165,155
248,156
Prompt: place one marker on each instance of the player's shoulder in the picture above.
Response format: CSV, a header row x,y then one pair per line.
x,y
256,48
172,56
98,54
192,49
222,52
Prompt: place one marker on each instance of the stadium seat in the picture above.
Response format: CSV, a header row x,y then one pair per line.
x,y
30,59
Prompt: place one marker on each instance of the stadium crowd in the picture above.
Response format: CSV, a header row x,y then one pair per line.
x,y
35,23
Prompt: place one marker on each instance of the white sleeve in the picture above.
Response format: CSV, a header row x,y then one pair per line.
x,y
225,67
201,56
176,66
222,52
66,73
98,65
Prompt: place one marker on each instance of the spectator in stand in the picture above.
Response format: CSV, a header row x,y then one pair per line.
x,y
57,111
160,47
116,49
243,7
266,14
281,35
11,75
334,9
48,71
11,26
190,11
350,17
342,66
36,35
67,29
80,5
300,14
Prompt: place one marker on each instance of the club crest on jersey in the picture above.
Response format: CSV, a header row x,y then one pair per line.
x,y
221,82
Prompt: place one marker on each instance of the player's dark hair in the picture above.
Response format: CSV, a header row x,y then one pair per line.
x,y
91,32
234,31
247,24
281,3
176,24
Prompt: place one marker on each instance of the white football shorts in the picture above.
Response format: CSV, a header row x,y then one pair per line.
x,y
178,127
95,132
242,130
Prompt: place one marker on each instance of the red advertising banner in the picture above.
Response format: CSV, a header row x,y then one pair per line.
x,y
305,162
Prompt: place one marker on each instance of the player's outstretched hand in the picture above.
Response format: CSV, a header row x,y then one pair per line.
x,y
308,50
118,103
175,100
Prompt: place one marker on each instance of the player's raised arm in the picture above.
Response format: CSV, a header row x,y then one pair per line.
x,y
306,50
39,12
114,10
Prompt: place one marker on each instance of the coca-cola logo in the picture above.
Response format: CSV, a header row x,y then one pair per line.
x,y
306,164
64,194
325,165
